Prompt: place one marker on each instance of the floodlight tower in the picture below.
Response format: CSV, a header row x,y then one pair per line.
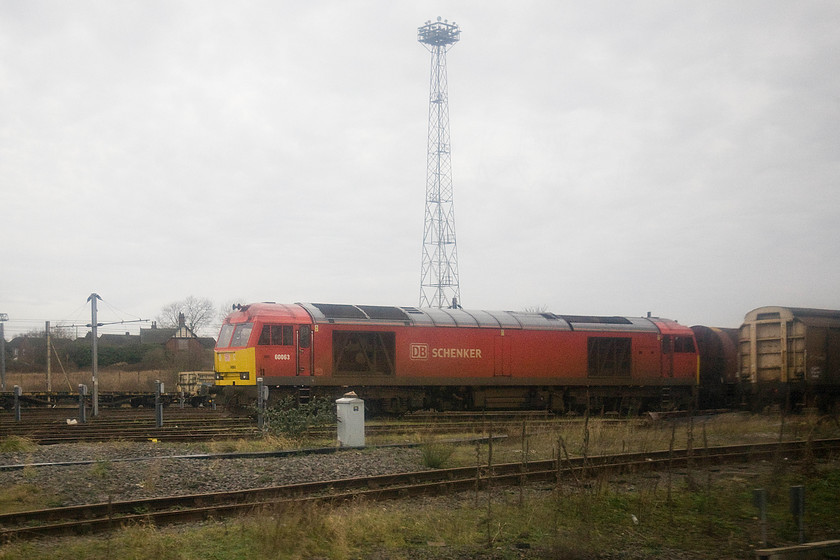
x,y
439,285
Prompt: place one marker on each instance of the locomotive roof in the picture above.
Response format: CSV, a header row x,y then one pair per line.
x,y
268,310
434,317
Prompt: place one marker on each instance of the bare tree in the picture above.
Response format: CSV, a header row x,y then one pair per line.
x,y
198,313
536,309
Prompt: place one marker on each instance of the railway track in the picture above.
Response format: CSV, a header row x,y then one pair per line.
x,y
453,427
188,508
61,413
50,426
179,425
473,423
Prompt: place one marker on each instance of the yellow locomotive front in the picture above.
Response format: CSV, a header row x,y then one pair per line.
x,y
234,361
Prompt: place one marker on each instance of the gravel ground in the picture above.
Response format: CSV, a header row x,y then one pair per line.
x,y
109,477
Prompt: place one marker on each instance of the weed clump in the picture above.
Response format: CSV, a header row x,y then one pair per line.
x,y
101,469
435,454
17,444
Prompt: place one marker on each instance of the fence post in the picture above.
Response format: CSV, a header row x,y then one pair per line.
x,y
17,393
158,404
797,508
82,412
760,502
262,396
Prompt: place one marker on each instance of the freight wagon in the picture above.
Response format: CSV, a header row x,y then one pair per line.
x,y
789,355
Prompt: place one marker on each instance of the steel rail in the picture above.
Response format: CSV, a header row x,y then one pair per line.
x,y
25,426
53,432
124,412
174,509
451,427
177,429
95,427
174,435
60,419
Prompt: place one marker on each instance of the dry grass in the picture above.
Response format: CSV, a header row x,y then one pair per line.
x,y
22,497
629,518
17,444
602,437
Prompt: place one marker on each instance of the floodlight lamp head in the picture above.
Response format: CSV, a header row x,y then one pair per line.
x,y
439,34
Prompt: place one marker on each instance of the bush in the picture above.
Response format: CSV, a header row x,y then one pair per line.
x,y
290,418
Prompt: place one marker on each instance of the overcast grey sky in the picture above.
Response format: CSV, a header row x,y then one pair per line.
x,y
609,157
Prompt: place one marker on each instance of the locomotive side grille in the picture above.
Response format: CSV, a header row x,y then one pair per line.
x,y
609,357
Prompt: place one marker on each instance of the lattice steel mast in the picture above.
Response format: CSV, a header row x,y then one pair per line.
x,y
439,285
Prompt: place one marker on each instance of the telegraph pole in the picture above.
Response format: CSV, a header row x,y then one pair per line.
x,y
49,361
3,317
93,325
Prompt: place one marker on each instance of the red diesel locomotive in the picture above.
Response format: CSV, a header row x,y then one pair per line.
x,y
405,358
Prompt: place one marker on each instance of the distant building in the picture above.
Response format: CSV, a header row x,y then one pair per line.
x,y
126,339
182,346
177,340
26,348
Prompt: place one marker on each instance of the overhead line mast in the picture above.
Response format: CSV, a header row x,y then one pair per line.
x,y
439,285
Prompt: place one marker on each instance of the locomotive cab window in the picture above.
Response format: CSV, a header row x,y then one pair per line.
x,y
241,334
677,344
224,336
276,335
609,357
683,344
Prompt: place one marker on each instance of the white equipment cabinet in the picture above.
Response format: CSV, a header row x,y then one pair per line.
x,y
350,411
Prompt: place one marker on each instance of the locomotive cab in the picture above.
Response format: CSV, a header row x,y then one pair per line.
x,y
679,353
234,362
264,340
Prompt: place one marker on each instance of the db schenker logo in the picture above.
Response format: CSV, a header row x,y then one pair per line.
x,y
419,351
